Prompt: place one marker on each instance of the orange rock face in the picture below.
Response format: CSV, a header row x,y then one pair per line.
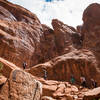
x,y
20,33
24,38
62,52
91,30
77,63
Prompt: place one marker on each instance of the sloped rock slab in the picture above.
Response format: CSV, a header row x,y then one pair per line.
x,y
92,94
24,87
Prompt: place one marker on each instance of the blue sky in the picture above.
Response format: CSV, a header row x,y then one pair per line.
x,y
68,11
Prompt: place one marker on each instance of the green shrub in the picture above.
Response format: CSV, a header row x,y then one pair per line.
x,y
1,66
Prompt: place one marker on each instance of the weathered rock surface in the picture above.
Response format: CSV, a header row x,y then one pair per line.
x,y
61,90
20,85
77,63
70,51
62,35
4,91
66,37
2,80
91,30
47,98
24,87
92,94
20,33
48,45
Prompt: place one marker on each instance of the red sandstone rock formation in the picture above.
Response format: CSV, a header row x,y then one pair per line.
x,y
91,30
20,34
77,63
48,45
62,36
66,37
24,38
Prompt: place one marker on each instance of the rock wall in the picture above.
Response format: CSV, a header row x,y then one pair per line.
x,y
20,33
24,38
91,30
76,63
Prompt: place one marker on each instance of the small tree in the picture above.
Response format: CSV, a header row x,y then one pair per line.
x,y
1,67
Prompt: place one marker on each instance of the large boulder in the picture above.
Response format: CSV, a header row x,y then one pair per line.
x,y
21,86
18,84
24,87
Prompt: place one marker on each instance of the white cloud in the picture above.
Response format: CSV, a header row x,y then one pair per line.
x,y
68,11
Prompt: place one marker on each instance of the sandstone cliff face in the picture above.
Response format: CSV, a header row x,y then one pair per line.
x,y
91,30
77,63
63,51
62,35
66,37
48,45
20,33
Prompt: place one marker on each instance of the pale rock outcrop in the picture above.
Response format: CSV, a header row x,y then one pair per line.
x,y
2,80
47,98
92,94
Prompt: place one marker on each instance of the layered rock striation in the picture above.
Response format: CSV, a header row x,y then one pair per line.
x,y
61,51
